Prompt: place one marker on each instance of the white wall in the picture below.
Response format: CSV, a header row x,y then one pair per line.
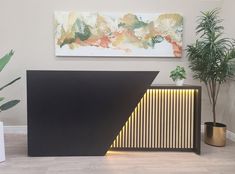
x,y
227,97
27,27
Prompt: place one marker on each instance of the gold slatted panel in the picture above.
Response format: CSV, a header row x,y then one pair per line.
x,y
163,119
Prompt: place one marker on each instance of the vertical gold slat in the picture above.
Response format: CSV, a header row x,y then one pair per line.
x,y
157,120
192,116
147,120
177,118
123,136
126,139
135,132
120,138
150,120
154,118
183,117
161,114
171,118
189,116
144,121
186,119
168,118
132,130
195,91
157,117
165,119
118,141
129,131
139,128
180,119
141,125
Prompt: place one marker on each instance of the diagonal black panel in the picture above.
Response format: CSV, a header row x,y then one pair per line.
x,y
80,112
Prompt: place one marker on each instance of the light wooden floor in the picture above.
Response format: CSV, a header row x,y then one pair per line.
x,y
213,160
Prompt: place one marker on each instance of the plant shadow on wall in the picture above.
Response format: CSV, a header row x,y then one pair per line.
x,y
9,104
212,60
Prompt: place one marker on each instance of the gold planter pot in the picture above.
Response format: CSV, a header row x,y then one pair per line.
x,y
215,135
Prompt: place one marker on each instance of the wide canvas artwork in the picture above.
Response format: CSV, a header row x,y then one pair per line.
x,y
111,34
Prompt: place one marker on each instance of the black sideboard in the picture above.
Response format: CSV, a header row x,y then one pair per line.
x,y
74,113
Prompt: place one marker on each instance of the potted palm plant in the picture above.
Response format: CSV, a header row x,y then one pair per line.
x,y
211,59
6,105
178,75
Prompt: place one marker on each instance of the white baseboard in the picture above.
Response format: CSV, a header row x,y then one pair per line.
x,y
23,130
230,135
15,129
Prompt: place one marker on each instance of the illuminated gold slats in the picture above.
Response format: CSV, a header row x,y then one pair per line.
x,y
163,119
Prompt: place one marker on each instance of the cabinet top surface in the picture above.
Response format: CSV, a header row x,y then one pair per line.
x,y
173,86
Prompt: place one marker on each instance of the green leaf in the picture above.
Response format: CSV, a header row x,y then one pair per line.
x,y
13,81
2,98
9,105
5,59
211,58
178,73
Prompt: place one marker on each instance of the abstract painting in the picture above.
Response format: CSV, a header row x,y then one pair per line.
x,y
122,35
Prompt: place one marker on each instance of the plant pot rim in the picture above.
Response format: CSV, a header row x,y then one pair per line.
x,y
216,124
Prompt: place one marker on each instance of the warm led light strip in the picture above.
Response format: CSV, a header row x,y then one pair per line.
x,y
164,118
